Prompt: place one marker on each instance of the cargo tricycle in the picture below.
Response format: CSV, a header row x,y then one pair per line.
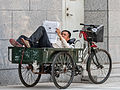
x,y
64,63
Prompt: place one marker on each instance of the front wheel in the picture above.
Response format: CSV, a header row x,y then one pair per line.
x,y
62,70
99,66
27,77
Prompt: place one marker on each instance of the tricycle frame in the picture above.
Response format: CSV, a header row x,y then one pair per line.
x,y
52,58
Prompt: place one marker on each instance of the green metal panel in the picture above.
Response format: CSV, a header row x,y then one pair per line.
x,y
42,55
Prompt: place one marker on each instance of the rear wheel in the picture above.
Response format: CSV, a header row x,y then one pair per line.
x,y
78,44
62,70
27,77
99,66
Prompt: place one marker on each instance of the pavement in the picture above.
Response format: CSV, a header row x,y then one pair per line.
x,y
74,86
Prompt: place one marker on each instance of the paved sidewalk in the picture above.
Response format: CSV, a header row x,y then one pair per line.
x,y
73,86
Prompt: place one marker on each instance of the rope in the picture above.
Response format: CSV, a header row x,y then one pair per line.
x,y
22,55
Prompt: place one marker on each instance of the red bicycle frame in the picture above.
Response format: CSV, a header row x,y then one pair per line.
x,y
85,37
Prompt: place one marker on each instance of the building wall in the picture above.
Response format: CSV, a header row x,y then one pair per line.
x,y
22,17
114,34
96,14
107,12
114,29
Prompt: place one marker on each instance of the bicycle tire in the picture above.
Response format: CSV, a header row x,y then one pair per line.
x,y
27,73
102,66
77,44
61,68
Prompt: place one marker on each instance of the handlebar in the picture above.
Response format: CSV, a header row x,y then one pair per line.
x,y
82,30
76,30
88,25
90,28
82,24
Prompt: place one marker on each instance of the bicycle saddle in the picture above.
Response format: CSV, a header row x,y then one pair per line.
x,y
71,41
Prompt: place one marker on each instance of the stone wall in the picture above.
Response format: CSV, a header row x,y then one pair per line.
x,y
96,13
22,17
114,35
107,12
114,29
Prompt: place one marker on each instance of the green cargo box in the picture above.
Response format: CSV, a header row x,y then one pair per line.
x,y
41,55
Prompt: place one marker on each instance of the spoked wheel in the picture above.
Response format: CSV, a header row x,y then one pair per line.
x,y
27,77
99,66
62,70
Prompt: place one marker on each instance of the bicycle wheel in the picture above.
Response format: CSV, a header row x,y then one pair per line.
x,y
62,70
78,44
99,66
27,77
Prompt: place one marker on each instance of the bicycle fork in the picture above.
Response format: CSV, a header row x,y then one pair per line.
x,y
95,59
